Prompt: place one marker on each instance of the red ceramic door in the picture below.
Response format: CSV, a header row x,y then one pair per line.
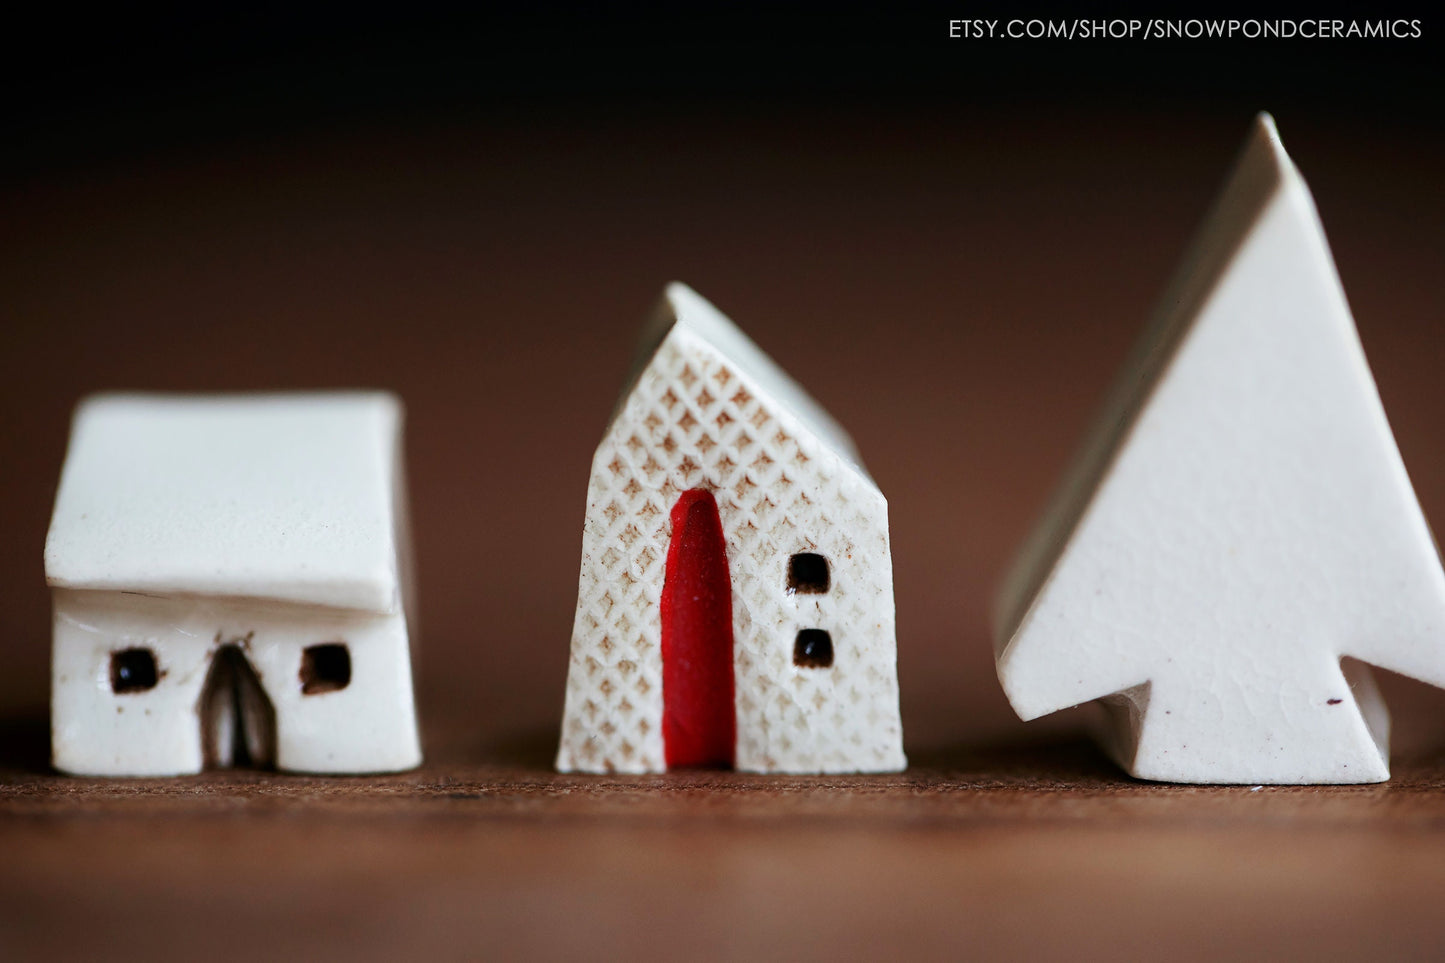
x,y
699,723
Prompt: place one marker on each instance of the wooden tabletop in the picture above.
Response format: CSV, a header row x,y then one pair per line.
x,y
957,288
1026,850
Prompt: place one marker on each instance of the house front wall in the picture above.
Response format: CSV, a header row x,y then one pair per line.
x,y
367,726
693,421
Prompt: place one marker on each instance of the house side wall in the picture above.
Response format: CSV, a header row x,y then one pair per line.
x,y
693,421
368,726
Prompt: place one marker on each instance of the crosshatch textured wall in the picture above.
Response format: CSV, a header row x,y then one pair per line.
x,y
695,420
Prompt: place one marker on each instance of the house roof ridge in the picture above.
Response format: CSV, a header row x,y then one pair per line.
x,y
682,309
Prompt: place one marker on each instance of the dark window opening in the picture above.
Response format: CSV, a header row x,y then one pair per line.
x,y
813,649
808,574
133,670
325,668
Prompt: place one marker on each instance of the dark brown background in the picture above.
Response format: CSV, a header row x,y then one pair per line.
x,y
951,249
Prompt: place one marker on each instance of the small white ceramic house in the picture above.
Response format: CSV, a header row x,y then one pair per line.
x,y
1239,522
230,583
735,605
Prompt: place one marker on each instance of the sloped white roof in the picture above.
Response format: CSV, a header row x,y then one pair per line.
x,y
281,496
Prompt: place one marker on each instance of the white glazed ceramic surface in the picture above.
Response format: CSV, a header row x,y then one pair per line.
x,y
273,522
707,409
369,726
284,496
1240,521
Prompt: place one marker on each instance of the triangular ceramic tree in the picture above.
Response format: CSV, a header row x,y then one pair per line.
x,y
1239,522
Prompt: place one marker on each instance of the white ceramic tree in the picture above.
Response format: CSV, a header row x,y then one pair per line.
x,y
1238,523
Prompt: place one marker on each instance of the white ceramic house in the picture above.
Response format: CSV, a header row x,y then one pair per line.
x,y
230,583
1239,522
735,605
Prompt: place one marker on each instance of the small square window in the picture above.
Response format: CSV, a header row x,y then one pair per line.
x,y
807,574
325,668
133,670
813,649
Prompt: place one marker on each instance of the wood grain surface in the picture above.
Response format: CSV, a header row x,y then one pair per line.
x,y
1014,850
957,288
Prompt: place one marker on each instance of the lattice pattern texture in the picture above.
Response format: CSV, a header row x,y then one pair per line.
x,y
695,419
